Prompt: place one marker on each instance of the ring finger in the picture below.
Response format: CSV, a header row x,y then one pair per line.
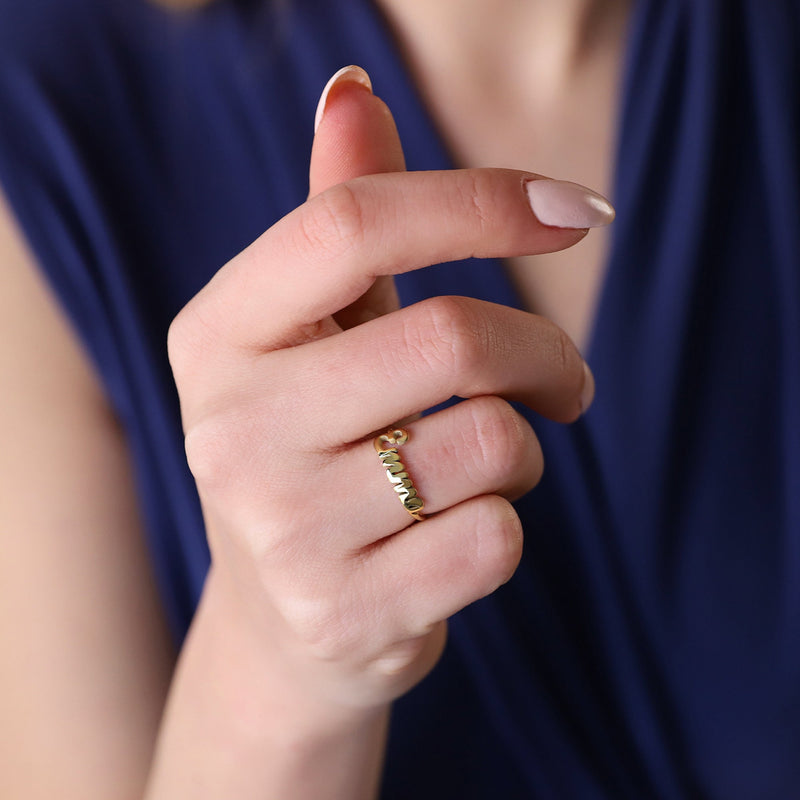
x,y
478,447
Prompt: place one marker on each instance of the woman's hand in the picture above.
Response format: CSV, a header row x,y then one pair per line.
x,y
282,395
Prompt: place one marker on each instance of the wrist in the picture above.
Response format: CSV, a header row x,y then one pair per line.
x,y
267,681
236,714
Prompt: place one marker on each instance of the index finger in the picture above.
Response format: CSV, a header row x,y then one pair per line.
x,y
325,254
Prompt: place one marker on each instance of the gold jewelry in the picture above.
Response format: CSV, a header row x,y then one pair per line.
x,y
386,446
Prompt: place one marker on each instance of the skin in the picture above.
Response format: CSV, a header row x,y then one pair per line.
x,y
315,615
85,645
545,75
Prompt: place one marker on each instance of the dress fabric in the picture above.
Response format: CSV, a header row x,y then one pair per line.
x,y
649,645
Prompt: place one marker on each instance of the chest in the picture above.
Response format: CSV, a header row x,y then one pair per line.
x,y
570,135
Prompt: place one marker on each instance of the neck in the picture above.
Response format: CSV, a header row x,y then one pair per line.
x,y
547,40
526,84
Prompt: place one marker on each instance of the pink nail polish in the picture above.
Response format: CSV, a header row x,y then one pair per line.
x,y
351,73
561,204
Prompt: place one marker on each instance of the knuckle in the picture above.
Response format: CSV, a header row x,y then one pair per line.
x,y
210,447
449,336
478,194
400,657
177,338
500,538
334,221
565,371
562,350
501,442
183,348
565,357
192,343
225,451
232,470
320,625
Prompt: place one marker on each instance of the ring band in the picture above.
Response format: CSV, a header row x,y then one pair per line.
x,y
386,446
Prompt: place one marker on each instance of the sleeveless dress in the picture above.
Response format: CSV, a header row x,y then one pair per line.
x,y
649,645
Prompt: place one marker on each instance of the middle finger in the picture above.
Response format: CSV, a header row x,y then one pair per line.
x,y
371,376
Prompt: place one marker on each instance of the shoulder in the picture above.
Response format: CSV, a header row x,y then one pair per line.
x,y
71,75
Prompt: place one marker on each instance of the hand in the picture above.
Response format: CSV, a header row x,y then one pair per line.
x,y
282,395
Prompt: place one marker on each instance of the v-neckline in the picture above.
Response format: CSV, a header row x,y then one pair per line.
x,y
426,150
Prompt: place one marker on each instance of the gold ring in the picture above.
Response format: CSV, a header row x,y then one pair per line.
x,y
386,446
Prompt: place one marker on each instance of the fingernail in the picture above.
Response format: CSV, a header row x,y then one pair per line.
x,y
587,393
350,73
561,204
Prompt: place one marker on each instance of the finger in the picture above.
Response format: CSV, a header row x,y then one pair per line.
x,y
355,136
435,568
369,377
478,447
325,254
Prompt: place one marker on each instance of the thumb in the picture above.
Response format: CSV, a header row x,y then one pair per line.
x,y
355,133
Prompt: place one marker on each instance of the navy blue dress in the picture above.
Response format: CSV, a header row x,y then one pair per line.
x,y
649,646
